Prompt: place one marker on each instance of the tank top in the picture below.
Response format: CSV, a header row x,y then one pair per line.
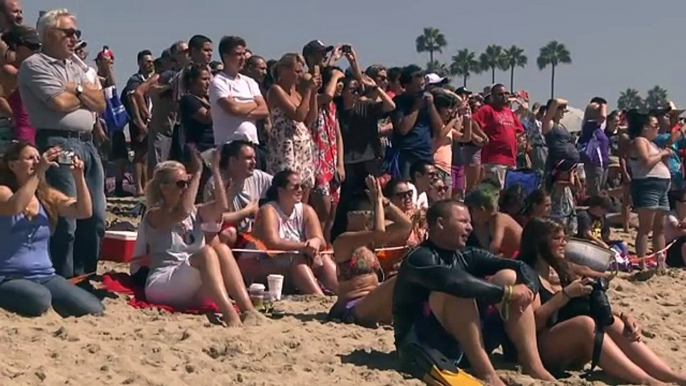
x,y
560,146
24,249
291,227
172,246
23,131
641,171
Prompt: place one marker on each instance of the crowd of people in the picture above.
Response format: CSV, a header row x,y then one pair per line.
x,y
383,186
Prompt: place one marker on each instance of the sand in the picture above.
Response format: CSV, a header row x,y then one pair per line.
x,y
127,346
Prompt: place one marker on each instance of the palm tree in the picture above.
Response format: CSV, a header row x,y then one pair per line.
x,y
465,64
439,68
432,40
553,54
514,57
656,98
630,99
491,59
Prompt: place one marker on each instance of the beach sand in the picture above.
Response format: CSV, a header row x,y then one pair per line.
x,y
127,346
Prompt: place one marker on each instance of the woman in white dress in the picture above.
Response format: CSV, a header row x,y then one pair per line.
x,y
185,270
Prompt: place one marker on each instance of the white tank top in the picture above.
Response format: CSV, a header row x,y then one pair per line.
x,y
291,227
640,171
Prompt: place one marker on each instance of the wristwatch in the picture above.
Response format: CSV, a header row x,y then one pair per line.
x,y
79,90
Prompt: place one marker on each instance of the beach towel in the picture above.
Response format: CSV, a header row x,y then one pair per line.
x,y
123,283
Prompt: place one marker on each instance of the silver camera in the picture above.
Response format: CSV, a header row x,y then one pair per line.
x,y
66,157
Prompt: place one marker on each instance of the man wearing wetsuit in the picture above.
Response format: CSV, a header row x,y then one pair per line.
x,y
443,303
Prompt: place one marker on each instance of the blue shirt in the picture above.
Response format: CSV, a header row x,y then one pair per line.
x,y
24,249
675,166
418,140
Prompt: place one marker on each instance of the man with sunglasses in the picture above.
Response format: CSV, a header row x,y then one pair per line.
x,y
61,103
422,175
501,126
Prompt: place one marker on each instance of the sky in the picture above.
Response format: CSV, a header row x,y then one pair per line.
x,y
614,44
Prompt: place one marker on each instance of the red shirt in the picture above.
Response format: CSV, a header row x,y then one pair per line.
x,y
501,126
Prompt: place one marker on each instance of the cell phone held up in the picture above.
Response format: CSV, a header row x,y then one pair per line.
x,y
346,49
66,157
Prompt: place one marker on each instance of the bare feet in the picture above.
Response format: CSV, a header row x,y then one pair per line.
x,y
231,318
494,380
538,373
253,318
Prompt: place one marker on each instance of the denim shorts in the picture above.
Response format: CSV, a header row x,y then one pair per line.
x,y
650,193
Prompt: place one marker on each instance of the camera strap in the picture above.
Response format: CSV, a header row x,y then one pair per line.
x,y
597,344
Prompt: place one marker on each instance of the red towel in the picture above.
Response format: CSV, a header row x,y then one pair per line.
x,y
122,283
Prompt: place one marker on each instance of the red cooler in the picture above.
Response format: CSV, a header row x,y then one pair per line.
x,y
118,246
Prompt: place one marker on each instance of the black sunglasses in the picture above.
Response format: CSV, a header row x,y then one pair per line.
x,y
181,184
405,194
70,32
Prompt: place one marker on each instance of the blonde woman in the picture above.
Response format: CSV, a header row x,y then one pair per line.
x,y
292,100
184,269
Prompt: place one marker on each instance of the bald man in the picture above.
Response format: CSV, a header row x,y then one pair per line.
x,y
11,13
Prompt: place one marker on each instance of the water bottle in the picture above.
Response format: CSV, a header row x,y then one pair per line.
x,y
661,263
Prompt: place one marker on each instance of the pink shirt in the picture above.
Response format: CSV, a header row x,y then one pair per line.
x,y
23,131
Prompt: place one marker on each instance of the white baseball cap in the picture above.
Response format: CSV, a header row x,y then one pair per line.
x,y
434,79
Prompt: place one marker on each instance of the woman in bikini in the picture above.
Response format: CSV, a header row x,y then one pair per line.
x,y
623,353
494,231
362,298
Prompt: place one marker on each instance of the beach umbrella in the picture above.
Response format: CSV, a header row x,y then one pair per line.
x,y
573,119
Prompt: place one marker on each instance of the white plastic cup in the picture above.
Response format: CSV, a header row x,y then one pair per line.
x,y
275,283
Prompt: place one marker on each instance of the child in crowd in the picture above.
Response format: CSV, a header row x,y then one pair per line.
x,y
594,226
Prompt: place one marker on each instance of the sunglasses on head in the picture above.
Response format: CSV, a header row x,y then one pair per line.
x,y
70,32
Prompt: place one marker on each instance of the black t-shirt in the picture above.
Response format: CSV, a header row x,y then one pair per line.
x,y
360,127
131,85
197,132
598,226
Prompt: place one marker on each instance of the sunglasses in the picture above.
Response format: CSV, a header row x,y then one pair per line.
x,y
181,184
405,194
441,189
296,187
70,32
382,78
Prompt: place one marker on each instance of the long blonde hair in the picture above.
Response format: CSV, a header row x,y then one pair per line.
x,y
162,175
48,196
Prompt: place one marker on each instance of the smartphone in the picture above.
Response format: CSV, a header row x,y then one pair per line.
x,y
207,156
346,48
315,70
66,157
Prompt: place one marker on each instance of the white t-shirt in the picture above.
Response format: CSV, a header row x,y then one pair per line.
x,y
229,127
253,188
420,201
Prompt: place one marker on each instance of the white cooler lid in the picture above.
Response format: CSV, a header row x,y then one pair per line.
x,y
121,235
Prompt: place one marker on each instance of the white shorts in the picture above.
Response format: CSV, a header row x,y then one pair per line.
x,y
496,172
174,286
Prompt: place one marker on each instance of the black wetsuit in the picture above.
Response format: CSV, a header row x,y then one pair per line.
x,y
461,274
